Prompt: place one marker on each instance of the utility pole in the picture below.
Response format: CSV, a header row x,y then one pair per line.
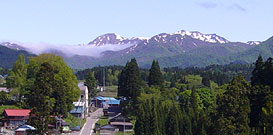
x,y
123,125
103,79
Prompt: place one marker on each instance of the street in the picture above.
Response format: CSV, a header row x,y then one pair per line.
x,y
90,123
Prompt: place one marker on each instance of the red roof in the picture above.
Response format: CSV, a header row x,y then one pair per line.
x,y
17,112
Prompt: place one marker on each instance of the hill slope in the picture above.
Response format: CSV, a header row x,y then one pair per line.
x,y
9,56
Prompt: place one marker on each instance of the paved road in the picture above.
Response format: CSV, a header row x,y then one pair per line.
x,y
90,123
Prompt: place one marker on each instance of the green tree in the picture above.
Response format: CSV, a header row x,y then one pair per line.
x,y
4,98
42,104
258,99
258,72
172,123
267,115
91,83
17,77
155,76
122,82
65,90
233,108
206,81
130,82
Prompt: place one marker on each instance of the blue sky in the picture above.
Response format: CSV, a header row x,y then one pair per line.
x,y
80,21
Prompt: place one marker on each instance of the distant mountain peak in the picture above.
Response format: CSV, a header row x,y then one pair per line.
x,y
109,38
212,38
12,45
254,42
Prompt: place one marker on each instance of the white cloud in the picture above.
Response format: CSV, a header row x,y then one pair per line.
x,y
70,50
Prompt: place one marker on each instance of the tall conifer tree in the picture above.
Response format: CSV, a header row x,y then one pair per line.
x,y
155,76
233,108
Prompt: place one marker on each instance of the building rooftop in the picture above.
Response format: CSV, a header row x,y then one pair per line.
x,y
108,100
77,109
17,112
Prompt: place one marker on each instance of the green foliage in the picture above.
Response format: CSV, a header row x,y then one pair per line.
x,y
4,98
103,121
130,82
91,83
48,85
40,101
65,89
3,107
17,77
9,56
233,108
155,76
74,121
261,97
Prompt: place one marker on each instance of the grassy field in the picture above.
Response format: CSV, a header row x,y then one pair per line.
x,y
103,121
110,91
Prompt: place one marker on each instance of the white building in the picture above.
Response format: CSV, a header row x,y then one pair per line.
x,y
84,97
82,105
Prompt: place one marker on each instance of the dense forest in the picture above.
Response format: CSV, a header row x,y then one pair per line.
x,y
9,56
220,74
195,105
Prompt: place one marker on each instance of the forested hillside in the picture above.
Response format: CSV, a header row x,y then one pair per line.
x,y
9,56
196,105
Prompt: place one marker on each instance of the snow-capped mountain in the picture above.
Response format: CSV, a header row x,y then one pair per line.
x,y
254,42
113,38
12,45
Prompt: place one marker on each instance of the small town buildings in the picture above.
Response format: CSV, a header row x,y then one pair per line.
x,y
82,105
121,122
15,117
105,102
22,130
84,96
112,111
79,110
108,130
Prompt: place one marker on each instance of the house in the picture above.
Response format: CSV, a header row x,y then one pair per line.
x,y
112,111
108,130
84,96
22,130
105,102
15,117
121,122
81,106
79,110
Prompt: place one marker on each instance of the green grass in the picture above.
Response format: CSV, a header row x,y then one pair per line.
x,y
126,133
110,91
103,121
112,88
3,107
74,121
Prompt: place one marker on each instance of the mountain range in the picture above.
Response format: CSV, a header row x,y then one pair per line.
x,y
182,48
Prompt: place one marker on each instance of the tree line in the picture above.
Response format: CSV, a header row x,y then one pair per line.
x,y
235,107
